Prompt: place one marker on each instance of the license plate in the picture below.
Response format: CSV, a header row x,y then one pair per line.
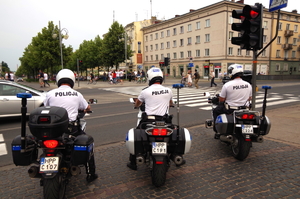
x,y
159,148
49,164
247,129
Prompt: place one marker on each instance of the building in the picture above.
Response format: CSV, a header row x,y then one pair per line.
x,y
203,37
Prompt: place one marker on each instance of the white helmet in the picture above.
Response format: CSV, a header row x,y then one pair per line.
x,y
235,70
154,75
65,76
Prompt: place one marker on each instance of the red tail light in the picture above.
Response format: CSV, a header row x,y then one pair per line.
x,y
159,162
51,143
159,132
44,120
248,116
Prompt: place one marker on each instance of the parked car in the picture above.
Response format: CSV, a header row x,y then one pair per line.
x,y
11,105
20,79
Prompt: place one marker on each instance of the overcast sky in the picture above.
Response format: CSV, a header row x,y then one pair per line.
x,y
20,20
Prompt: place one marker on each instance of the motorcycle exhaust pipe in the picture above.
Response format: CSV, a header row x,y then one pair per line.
x,y
177,159
140,160
75,170
259,139
33,172
226,138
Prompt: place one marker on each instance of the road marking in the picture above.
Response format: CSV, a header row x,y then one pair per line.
x,y
3,150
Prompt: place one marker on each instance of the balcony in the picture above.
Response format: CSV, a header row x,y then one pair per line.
x,y
288,33
287,46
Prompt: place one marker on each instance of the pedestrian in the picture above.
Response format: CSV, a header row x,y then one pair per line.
x,y
41,78
46,80
234,94
220,75
72,101
10,76
189,78
197,77
212,81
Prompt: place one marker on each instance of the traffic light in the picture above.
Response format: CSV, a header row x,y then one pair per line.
x,y
250,28
167,61
80,63
255,16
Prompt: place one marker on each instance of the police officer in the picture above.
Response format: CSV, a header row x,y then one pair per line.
x,y
157,99
235,94
66,97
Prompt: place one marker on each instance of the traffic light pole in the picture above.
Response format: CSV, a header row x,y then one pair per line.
x,y
255,55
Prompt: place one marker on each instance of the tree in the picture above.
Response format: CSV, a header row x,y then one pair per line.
x,y
5,69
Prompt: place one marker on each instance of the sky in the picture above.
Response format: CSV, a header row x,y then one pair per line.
x,y
21,20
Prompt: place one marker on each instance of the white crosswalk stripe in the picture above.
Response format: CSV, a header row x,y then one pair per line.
x,y
192,97
3,150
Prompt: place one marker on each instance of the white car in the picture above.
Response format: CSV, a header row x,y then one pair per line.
x,y
11,105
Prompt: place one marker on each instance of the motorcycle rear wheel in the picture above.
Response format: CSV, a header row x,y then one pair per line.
x,y
159,173
240,148
54,187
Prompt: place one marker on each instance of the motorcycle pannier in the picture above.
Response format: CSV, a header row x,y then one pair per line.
x,y
48,122
83,149
28,157
183,144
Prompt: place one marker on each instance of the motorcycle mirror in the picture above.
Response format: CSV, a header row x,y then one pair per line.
x,y
206,94
132,100
92,101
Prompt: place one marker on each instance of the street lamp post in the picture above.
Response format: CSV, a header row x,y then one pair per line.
x,y
66,36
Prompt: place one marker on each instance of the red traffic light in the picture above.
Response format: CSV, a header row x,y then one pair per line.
x,y
252,12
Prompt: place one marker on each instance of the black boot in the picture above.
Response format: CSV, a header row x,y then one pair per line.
x,y
132,163
91,177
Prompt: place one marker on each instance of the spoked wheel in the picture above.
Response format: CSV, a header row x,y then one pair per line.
x,y
54,188
240,148
159,172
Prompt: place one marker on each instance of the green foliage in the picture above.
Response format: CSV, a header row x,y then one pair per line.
x,y
5,68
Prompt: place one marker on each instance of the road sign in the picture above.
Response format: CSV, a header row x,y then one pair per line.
x,y
277,4
191,64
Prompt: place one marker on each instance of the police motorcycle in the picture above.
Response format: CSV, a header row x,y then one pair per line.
x,y
62,153
158,141
242,127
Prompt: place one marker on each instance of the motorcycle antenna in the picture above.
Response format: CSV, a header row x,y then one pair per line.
x,y
178,86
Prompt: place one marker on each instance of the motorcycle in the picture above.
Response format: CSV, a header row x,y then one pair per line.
x,y
156,143
240,128
62,153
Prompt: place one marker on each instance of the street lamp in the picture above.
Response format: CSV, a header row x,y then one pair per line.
x,y
65,36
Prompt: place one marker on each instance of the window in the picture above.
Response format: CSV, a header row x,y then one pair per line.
x,y
146,49
151,37
278,40
168,44
247,52
189,53
156,46
189,27
277,67
161,56
287,17
277,53
294,41
198,25
162,34
230,51
207,23
293,54
197,53
181,54
189,40
174,31
265,24
174,55
285,67
197,39
156,57
296,28
146,38
181,42
174,43
280,26
207,52
151,57
265,39
151,47
181,29
161,46
168,55
230,35
263,54
239,52
146,58
207,37
168,33
287,26
156,35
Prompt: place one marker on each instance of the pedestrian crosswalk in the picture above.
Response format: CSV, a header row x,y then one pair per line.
x,y
192,97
